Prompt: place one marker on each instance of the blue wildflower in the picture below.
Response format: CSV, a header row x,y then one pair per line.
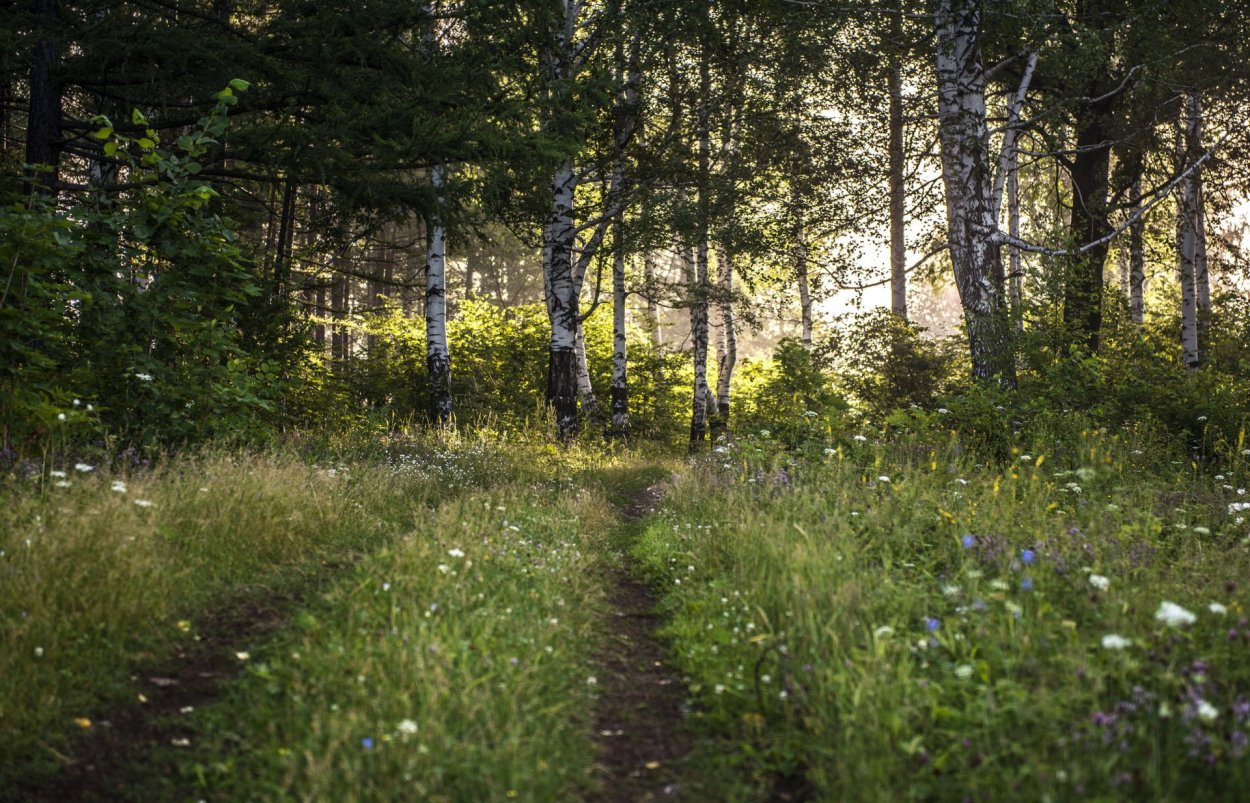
x,y
1026,584
366,743
932,624
1027,556
969,540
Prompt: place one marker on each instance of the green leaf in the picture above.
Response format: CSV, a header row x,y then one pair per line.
x,y
239,85
110,149
137,118
146,143
104,132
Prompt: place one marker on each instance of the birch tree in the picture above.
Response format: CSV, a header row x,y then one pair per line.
x,y
967,173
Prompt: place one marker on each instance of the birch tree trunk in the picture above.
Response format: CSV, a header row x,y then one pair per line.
x,y
438,355
1015,265
585,389
727,348
1137,258
653,308
562,296
898,188
1191,268
800,270
620,373
966,173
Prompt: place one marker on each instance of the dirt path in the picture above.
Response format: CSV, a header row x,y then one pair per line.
x,y
127,756
640,722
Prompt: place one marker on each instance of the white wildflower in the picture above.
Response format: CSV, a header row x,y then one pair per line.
x,y
859,438
143,502
1217,609
119,486
406,726
142,377
1113,641
1099,582
1207,712
883,478
456,552
57,474
1174,615
963,671
884,630
83,467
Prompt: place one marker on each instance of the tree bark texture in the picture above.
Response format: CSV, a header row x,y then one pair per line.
x,y
620,373
437,352
562,296
1091,168
898,187
966,174
727,349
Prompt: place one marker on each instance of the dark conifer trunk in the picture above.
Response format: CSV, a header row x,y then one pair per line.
x,y
43,128
1083,290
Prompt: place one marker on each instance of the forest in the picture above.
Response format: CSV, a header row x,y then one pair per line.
x,y
624,400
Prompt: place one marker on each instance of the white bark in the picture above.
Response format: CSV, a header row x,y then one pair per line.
x,y
727,345
898,188
1137,260
562,296
620,374
970,211
438,356
653,308
800,270
1192,269
1015,265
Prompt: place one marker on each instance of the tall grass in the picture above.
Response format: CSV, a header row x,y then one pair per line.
x,y
102,574
895,621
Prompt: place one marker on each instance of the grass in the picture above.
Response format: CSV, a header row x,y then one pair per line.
x,y
441,599
894,621
102,575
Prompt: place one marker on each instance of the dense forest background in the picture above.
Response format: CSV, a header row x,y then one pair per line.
x,y
238,219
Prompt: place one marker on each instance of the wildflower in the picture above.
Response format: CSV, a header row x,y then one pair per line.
x,y
1026,584
1112,641
142,377
931,624
1203,530
143,502
884,630
406,726
829,451
242,656
1174,615
444,568
859,438
366,743
1237,507
83,467
1206,711
592,681
969,540
764,433
456,552
810,413
82,722
1027,556
963,671
943,411
1099,582
58,474
119,486
62,483
60,416
999,584
950,590
77,402
883,478
1217,609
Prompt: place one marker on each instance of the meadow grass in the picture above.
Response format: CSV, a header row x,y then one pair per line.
x,y
104,574
894,621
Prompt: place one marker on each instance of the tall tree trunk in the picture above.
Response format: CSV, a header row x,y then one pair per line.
x,y
727,350
1137,259
653,307
563,304
585,389
1015,265
1198,218
43,127
898,187
620,373
970,211
703,401
800,271
437,352
1091,167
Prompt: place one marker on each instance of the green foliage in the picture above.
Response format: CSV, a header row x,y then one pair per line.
x,y
899,621
790,397
135,305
